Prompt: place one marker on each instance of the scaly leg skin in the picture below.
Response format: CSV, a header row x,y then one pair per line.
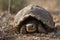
x,y
41,29
23,30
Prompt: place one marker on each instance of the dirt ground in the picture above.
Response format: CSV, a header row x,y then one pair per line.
x,y
8,33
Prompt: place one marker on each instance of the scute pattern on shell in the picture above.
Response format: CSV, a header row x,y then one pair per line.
x,y
34,11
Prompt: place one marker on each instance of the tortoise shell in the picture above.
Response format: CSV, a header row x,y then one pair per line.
x,y
34,11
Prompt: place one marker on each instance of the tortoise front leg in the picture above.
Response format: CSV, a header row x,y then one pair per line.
x,y
41,29
23,30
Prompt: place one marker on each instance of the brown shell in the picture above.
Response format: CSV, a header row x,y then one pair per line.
x,y
36,12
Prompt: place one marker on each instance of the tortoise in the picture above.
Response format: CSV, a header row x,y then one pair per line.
x,y
33,18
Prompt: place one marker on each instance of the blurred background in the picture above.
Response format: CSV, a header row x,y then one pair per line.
x,y
16,5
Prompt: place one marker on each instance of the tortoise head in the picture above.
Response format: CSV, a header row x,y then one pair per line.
x,y
31,27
